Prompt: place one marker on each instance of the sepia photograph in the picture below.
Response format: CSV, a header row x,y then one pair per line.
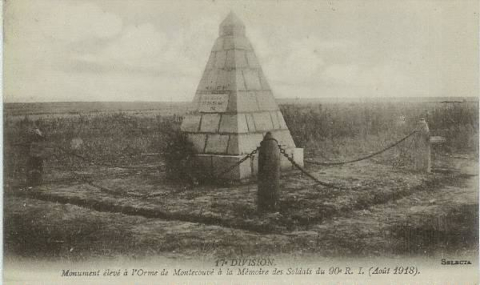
x,y
240,142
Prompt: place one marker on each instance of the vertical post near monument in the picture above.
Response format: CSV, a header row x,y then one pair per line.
x,y
422,152
268,174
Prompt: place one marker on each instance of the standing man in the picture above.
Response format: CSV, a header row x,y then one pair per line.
x,y
35,157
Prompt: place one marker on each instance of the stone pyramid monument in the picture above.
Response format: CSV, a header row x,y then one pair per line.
x,y
234,108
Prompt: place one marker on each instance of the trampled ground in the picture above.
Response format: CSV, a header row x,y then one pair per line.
x,y
381,210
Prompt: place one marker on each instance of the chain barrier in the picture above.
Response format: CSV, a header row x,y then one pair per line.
x,y
292,161
251,154
362,158
90,182
238,163
85,159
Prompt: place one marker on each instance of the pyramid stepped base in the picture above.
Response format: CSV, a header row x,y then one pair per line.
x,y
209,165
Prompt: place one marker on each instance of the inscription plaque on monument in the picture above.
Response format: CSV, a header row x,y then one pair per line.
x,y
213,103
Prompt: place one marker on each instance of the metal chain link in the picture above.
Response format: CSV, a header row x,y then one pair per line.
x,y
238,163
251,154
292,161
365,157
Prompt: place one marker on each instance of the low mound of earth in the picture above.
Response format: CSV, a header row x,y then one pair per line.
x,y
379,210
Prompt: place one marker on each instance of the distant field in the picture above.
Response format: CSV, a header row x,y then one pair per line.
x,y
21,109
120,131
347,129
76,108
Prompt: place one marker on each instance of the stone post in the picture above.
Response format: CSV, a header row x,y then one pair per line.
x,y
422,153
36,156
268,174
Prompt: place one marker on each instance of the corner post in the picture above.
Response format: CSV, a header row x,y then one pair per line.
x,y
268,174
422,150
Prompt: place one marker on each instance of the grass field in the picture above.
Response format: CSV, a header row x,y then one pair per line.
x,y
85,203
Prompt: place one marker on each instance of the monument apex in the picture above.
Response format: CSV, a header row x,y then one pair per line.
x,y
234,107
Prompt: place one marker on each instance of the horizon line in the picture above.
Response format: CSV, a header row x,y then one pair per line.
x,y
283,98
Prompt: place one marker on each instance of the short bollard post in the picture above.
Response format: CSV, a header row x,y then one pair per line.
x,y
422,153
268,174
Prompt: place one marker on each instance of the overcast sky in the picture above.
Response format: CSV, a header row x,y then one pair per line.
x,y
152,50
